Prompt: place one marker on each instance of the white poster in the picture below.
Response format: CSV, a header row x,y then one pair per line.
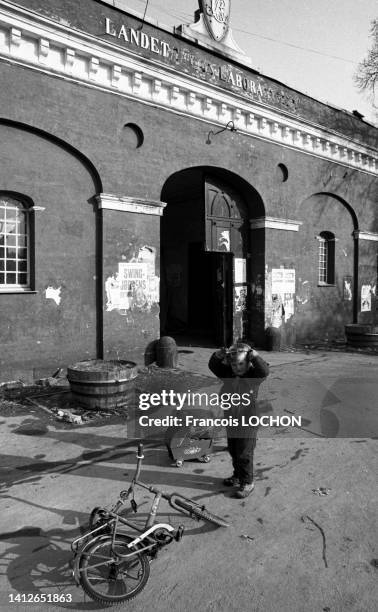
x,y
288,306
133,286
365,298
240,299
240,270
283,281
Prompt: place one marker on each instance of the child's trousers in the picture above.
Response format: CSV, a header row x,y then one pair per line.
x,y
241,451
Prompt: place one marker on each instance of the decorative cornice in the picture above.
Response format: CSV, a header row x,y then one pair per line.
x,y
31,40
128,204
365,235
274,223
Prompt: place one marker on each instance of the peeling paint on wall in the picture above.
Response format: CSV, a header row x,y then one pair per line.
x,y
303,292
288,306
277,311
268,297
283,293
347,288
134,285
53,294
240,299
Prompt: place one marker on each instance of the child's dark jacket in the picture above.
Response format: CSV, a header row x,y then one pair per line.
x,y
248,383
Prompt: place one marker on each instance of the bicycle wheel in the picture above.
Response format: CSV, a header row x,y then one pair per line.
x,y
199,512
107,578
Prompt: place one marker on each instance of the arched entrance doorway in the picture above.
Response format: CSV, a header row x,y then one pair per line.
x,y
208,260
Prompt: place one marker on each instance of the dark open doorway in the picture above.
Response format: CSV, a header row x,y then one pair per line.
x,y
207,260
210,304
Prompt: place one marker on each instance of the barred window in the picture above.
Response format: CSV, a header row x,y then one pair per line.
x,y
326,261
14,244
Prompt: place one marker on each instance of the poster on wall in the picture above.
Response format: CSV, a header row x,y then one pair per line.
x,y
283,291
283,281
223,240
240,299
135,285
277,311
127,287
240,270
366,298
288,306
347,288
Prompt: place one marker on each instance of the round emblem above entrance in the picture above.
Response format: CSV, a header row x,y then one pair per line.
x,y
217,17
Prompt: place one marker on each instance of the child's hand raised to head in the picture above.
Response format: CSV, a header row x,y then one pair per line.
x,y
221,353
252,354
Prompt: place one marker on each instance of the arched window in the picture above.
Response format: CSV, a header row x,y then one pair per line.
x,y
326,265
15,243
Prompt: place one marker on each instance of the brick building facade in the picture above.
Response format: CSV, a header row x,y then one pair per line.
x,y
153,182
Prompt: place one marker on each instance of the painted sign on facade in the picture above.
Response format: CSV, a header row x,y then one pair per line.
x,y
193,63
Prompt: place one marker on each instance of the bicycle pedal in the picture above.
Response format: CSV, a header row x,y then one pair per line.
x,y
179,533
134,505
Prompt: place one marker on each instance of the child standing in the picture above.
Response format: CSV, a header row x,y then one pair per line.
x,y
242,370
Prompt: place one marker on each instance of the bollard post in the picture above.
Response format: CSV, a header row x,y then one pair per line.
x,y
166,352
273,339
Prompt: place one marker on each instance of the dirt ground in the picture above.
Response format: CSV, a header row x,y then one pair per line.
x,y
305,540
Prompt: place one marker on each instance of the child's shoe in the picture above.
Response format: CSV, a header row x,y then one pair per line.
x,y
245,490
233,481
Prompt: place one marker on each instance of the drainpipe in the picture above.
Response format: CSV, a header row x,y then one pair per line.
x,y
356,247
99,284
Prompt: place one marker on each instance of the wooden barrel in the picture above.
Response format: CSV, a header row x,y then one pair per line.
x,y
272,339
362,335
99,384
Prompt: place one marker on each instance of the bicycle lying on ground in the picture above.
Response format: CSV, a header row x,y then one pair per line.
x,y
112,566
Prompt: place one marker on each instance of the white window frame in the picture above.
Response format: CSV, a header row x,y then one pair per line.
x,y
326,259
12,203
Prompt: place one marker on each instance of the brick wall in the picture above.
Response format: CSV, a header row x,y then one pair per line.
x,y
59,178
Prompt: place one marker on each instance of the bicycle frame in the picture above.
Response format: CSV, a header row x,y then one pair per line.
x,y
113,523
146,536
151,536
113,518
